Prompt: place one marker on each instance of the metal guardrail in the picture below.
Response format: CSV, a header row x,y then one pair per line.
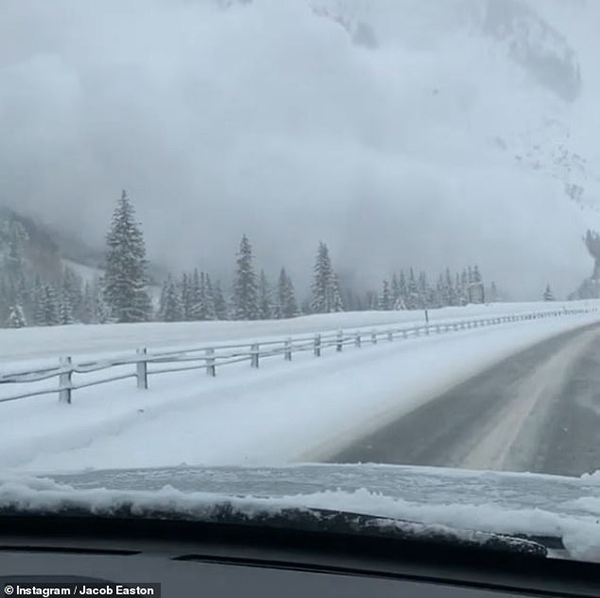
x,y
211,358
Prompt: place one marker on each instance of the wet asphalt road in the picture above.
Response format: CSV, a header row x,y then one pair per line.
x,y
537,411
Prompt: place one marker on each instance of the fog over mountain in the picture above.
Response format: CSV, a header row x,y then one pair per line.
x,y
430,133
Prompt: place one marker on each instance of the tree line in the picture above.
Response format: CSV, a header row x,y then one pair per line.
x,y
121,293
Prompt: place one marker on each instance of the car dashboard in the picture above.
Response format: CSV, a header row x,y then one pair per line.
x,y
189,559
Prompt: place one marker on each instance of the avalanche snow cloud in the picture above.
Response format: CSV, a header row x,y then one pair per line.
x,y
428,133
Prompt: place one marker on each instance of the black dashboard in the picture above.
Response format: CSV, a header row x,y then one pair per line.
x,y
190,559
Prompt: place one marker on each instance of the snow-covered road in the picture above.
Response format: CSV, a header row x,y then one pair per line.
x,y
285,412
537,411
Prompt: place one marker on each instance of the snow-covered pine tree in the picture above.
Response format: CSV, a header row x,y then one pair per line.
x,y
395,290
449,290
441,292
125,289
101,309
220,303
385,301
286,306
322,287
170,308
548,294
265,297
403,286
16,317
65,310
162,300
337,304
196,308
245,287
209,299
413,298
187,297
401,300
203,306
48,307
72,289
464,288
476,287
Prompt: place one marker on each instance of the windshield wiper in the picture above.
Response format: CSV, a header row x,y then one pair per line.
x,y
225,514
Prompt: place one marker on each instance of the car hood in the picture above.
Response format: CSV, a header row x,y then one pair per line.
x,y
506,503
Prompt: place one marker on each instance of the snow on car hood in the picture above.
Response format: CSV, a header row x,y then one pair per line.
x,y
508,503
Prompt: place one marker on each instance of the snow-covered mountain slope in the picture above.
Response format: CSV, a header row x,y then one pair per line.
x,y
531,34
430,133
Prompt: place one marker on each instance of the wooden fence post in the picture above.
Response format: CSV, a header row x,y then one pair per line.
x,y
142,369
317,345
254,357
357,340
211,370
65,378
288,350
374,337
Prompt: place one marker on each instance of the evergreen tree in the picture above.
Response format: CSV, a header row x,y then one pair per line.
x,y
326,295
476,287
286,306
449,296
464,288
170,308
203,305
48,307
101,309
65,310
337,304
385,301
209,299
196,308
413,298
245,288
401,300
265,298
187,296
162,300
395,290
125,289
423,291
220,303
16,317
548,294
323,275
72,292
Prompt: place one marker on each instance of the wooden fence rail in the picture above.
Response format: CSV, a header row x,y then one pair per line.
x,y
212,359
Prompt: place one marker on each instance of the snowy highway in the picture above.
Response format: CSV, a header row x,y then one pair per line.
x,y
496,397
537,411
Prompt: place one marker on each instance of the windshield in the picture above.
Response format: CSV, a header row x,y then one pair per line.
x,y
253,236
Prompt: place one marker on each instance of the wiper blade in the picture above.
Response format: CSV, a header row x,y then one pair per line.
x,y
309,520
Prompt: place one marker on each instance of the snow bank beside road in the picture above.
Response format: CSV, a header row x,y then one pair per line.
x,y
87,341
286,412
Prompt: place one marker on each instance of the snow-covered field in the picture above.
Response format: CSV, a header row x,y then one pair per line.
x,y
282,413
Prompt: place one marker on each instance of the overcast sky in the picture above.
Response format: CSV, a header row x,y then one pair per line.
x,y
268,120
